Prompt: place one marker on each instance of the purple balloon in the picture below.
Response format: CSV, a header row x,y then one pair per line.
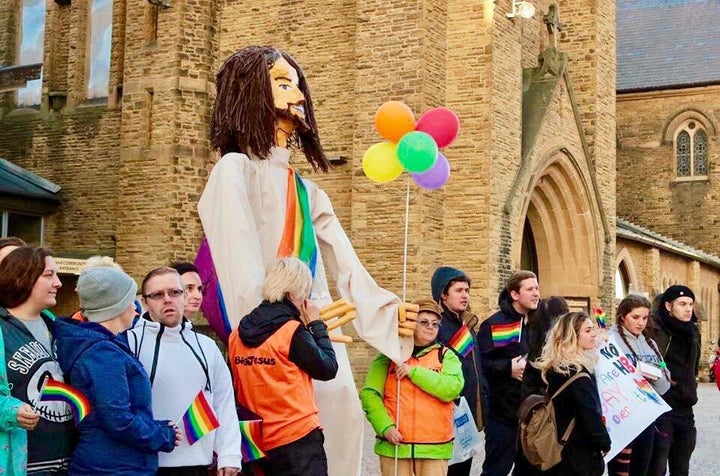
x,y
436,176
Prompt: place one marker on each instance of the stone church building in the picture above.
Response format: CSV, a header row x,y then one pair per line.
x,y
107,151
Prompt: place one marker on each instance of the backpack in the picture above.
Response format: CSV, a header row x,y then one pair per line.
x,y
538,429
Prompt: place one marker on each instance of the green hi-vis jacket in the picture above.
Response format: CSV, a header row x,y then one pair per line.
x,y
444,386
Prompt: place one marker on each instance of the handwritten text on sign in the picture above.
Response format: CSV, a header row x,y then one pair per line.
x,y
629,403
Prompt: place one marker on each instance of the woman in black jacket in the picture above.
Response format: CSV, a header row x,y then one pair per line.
x,y
570,349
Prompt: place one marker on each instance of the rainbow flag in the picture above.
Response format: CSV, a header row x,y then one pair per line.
x,y
599,317
251,432
647,389
504,334
62,392
298,237
462,341
199,419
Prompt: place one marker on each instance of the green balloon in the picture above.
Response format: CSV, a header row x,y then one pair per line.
x,y
417,151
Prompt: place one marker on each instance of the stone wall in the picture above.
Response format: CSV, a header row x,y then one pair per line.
x,y
648,190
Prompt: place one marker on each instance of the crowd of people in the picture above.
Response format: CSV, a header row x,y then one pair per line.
x,y
275,244
140,371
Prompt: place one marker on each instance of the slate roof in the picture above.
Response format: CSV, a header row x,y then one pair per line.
x,y
667,44
631,231
18,182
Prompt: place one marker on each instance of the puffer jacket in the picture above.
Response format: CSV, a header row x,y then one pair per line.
x,y
119,435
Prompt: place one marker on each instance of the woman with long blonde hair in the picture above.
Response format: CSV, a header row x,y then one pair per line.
x,y
570,350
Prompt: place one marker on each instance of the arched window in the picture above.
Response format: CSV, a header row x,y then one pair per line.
x,y
691,150
31,45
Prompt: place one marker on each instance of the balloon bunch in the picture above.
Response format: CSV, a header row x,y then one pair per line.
x,y
413,146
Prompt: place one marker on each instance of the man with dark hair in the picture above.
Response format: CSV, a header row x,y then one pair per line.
x,y
451,289
255,209
678,339
503,342
193,286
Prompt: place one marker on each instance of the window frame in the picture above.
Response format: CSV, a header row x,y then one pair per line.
x,y
684,126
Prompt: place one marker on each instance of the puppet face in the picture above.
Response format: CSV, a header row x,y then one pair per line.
x,y
288,99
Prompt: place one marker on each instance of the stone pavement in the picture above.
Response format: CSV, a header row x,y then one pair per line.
x,y
705,460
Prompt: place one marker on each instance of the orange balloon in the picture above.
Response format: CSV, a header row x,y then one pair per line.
x,y
393,120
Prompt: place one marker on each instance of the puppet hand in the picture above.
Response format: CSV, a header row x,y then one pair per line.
x,y
339,312
407,317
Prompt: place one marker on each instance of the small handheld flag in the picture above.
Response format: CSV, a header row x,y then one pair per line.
x,y
504,334
251,432
599,317
199,419
61,392
462,342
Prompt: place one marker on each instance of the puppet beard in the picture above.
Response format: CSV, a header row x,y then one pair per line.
x,y
300,124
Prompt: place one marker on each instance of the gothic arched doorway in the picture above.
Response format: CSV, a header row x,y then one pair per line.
x,y
560,241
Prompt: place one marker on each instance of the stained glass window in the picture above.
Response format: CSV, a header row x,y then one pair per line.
x,y
700,153
683,154
691,149
32,40
99,50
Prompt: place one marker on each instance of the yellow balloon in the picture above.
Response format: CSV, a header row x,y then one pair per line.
x,y
380,163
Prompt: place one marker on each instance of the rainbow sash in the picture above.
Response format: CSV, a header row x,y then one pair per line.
x,y
199,419
62,392
504,334
462,342
298,237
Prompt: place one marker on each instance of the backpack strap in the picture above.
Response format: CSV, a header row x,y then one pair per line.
x,y
571,425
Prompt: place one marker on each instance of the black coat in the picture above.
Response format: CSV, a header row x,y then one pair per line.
x,y
471,365
679,344
582,454
503,390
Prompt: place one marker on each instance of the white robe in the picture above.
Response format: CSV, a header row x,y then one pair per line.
x,y
242,210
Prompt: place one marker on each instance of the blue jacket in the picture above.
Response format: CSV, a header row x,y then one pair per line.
x,y
119,435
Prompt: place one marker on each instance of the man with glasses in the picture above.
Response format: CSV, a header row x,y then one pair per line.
x,y
180,363
451,289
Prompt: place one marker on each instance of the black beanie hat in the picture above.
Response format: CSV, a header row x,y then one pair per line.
x,y
677,291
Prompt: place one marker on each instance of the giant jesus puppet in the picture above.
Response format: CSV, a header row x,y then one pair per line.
x,y
262,109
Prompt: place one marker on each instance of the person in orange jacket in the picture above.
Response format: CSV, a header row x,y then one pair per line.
x,y
275,353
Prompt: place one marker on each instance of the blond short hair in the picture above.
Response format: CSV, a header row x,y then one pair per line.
x,y
100,262
285,276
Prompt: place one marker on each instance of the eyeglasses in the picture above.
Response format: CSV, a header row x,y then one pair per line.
x,y
433,324
171,293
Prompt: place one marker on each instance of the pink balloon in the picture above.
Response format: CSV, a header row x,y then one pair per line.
x,y
436,176
440,123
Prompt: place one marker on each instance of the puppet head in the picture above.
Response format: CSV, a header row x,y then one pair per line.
x,y
262,94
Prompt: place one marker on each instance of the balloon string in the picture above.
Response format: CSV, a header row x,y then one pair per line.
x,y
405,247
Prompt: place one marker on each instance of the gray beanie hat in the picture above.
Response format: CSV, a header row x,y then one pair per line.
x,y
105,293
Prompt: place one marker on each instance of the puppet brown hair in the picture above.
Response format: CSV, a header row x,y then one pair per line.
x,y
244,115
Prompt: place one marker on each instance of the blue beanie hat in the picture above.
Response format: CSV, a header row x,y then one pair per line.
x,y
442,277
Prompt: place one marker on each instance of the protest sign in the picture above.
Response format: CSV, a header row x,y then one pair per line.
x,y
629,403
